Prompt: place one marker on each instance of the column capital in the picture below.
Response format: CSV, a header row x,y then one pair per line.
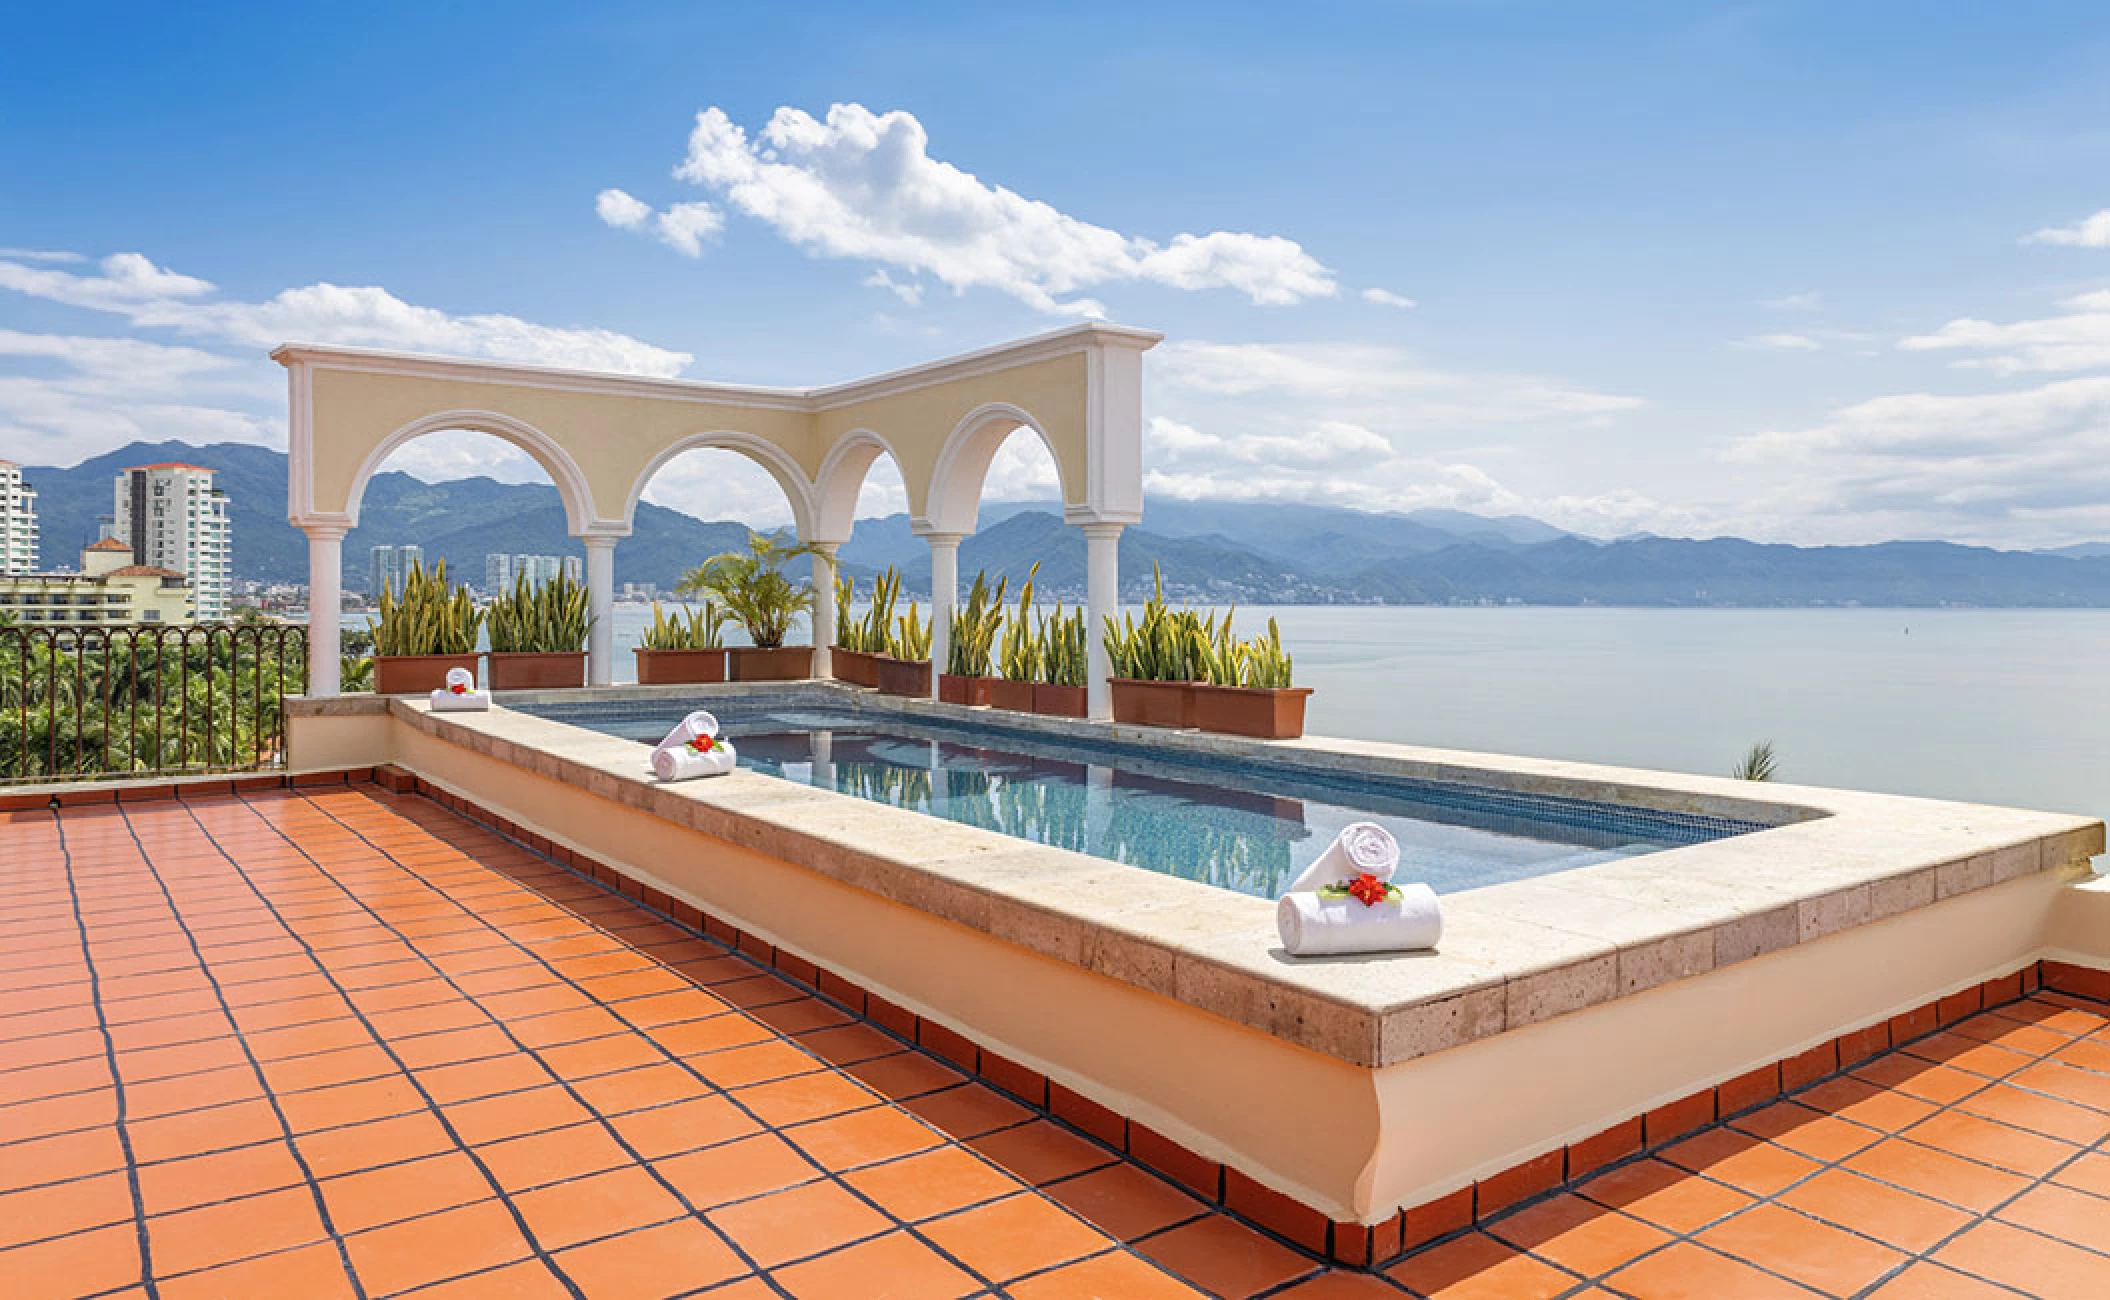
x,y
323,526
325,532
598,541
944,541
824,548
1101,529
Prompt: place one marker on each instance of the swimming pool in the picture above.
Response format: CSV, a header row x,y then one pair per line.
x,y
1233,823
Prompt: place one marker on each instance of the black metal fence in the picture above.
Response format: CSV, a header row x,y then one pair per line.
x,y
82,703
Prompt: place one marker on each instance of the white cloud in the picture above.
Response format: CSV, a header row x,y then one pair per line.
x,y
2089,232
88,394
2078,339
131,286
1387,298
863,186
908,291
683,227
1809,300
1781,342
40,255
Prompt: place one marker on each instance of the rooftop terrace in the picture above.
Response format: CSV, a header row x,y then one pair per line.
x,y
340,1040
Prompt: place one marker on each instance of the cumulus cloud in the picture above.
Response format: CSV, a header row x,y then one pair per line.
x,y
1781,342
2076,339
131,286
88,394
684,227
908,291
863,186
2088,232
1387,298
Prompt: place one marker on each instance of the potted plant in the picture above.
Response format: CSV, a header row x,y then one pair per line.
x,y
754,590
684,649
1018,655
538,635
1061,692
974,625
1247,690
1152,663
426,629
850,658
905,667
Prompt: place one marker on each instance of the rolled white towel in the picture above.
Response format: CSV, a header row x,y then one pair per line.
x,y
1311,926
700,723
1361,849
460,695
683,762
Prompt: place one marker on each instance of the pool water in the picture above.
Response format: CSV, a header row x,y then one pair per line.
x,y
1235,824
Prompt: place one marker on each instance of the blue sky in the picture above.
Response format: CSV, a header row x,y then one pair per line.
x,y
1801,271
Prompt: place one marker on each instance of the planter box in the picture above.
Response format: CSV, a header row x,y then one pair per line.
x,y
1245,711
416,674
1060,701
853,666
537,670
1153,704
786,663
679,667
1007,694
963,690
909,677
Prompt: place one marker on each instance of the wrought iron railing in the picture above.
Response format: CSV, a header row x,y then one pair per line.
x,y
83,703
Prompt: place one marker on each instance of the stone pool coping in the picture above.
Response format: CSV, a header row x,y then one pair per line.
x,y
1512,955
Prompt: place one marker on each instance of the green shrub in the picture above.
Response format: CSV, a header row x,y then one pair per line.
x,y
697,629
911,636
1018,654
753,588
974,627
547,619
429,617
1064,649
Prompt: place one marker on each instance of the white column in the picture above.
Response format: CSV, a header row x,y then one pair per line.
x,y
600,608
325,608
823,607
1102,575
944,594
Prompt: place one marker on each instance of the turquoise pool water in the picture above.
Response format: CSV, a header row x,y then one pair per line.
x,y
1236,825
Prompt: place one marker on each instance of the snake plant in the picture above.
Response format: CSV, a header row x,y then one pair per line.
x,y
698,629
849,635
1219,657
911,636
877,635
1018,654
974,627
428,617
1267,664
546,619
1063,648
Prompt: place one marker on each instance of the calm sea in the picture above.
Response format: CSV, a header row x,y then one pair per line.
x,y
1997,706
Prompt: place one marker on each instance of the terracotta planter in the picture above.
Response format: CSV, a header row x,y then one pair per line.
x,y
853,666
537,671
416,674
909,677
1007,694
1245,711
963,690
679,667
1059,701
784,663
1153,704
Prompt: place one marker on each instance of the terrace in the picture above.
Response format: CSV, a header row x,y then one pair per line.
x,y
453,1003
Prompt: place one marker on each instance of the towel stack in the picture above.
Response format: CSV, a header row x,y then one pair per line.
x,y
1345,902
460,695
693,749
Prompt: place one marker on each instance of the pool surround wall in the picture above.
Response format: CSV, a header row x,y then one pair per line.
x,y
1124,991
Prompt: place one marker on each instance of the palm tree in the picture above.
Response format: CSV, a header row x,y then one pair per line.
x,y
753,588
1757,764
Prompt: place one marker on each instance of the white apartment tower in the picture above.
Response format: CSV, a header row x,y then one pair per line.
x,y
389,567
18,521
173,518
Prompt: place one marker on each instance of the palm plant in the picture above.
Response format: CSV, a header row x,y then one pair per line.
x,y
429,616
974,627
698,629
1757,764
547,619
753,588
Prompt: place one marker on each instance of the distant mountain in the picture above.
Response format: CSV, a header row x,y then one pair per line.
x,y
1208,551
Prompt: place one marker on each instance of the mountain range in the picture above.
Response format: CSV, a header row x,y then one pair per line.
x,y
1206,550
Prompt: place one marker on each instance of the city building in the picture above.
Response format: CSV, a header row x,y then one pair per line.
x,y
388,566
18,521
109,591
575,568
172,517
502,571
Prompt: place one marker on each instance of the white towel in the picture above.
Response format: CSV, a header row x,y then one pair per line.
x,y
1311,926
677,759
682,763
460,695
1362,848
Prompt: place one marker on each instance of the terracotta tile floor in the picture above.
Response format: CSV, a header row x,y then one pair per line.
x,y
344,1043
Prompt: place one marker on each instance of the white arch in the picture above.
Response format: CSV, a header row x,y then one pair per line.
x,y
954,498
842,479
545,451
778,462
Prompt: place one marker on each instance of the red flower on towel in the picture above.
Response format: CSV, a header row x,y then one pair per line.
x,y
703,744
1369,890
459,689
